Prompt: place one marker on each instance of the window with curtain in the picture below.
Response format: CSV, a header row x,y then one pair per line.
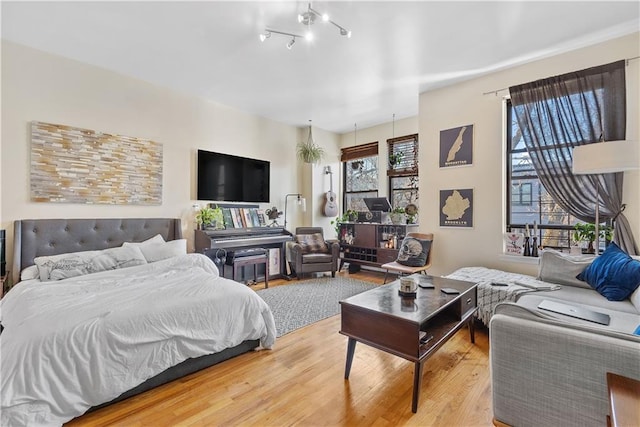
x,y
548,118
528,200
403,170
360,167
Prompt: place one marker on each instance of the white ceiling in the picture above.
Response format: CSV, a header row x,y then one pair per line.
x,y
211,49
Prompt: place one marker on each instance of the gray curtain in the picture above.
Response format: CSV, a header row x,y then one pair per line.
x,y
558,113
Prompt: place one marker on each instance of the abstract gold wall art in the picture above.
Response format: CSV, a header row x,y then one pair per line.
x,y
74,165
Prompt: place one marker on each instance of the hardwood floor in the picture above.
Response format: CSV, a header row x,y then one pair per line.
x,y
301,382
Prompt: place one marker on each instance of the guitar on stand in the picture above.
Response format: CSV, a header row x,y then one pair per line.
x,y
330,206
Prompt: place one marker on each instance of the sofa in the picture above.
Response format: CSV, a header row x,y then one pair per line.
x,y
549,369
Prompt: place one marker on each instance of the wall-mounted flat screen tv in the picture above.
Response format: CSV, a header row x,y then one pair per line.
x,y
227,178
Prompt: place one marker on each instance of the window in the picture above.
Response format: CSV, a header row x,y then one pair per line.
x,y
403,170
528,200
360,165
521,194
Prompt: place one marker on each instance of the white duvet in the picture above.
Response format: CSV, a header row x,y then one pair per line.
x,y
79,342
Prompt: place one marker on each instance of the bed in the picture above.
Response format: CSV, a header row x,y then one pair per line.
x,y
139,314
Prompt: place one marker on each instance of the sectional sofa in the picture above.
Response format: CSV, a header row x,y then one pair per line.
x,y
549,369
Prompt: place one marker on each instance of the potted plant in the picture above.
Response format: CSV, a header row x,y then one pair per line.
x,y
398,216
395,159
586,232
205,217
349,215
309,152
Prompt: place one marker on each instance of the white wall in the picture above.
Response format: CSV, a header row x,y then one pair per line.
x,y
39,86
464,104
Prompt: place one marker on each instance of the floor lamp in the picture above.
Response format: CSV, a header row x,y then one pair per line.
x,y
605,157
300,201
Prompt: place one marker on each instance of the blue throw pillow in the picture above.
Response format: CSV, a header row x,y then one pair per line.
x,y
614,274
637,331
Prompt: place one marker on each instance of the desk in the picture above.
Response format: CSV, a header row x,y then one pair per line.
x,y
624,401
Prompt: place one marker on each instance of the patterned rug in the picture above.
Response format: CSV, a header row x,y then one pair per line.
x,y
301,304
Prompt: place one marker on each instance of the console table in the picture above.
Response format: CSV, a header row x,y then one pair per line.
x,y
371,243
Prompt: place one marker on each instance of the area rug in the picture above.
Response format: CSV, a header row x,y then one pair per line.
x,y
301,304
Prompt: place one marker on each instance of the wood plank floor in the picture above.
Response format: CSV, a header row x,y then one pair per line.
x,y
301,382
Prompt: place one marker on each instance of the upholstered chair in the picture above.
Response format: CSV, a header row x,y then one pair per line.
x,y
311,253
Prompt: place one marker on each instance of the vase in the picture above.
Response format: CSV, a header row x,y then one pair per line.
x,y
398,218
527,247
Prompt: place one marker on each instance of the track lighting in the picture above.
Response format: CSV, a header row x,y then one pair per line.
x,y
307,18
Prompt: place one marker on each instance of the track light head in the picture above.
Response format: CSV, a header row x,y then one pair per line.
x,y
345,32
291,42
265,36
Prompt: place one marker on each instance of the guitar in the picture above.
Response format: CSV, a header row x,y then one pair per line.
x,y
330,206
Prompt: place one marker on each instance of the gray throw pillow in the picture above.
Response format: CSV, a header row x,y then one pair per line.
x,y
64,266
562,269
312,243
414,252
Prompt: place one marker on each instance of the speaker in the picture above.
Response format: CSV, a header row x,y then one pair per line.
x,y
373,217
3,262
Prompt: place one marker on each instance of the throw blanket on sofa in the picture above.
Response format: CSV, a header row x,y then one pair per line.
x,y
489,296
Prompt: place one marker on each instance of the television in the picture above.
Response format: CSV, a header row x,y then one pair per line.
x,y
227,178
377,204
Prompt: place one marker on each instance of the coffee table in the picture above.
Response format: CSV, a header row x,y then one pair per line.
x,y
412,328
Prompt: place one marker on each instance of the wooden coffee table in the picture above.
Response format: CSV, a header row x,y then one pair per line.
x,y
412,328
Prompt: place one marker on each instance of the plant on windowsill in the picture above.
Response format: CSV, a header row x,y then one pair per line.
x,y
398,216
586,232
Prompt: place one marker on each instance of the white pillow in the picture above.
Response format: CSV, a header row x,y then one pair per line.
x,y
158,251
155,239
63,266
29,273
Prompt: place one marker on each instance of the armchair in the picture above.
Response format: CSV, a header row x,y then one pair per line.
x,y
311,253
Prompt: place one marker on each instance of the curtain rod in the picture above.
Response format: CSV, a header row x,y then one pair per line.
x,y
495,92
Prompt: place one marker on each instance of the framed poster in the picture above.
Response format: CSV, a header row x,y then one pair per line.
x,y
274,262
513,243
456,146
456,208
75,165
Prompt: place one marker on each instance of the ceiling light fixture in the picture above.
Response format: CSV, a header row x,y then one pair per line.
x,y
307,18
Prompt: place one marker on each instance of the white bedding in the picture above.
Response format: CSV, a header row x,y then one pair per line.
x,y
79,342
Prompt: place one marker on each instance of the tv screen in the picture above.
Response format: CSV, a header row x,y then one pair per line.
x,y
227,178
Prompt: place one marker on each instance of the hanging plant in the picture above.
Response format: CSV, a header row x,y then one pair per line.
x,y
309,152
395,159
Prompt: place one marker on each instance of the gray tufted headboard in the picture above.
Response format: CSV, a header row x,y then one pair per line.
x,y
41,237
